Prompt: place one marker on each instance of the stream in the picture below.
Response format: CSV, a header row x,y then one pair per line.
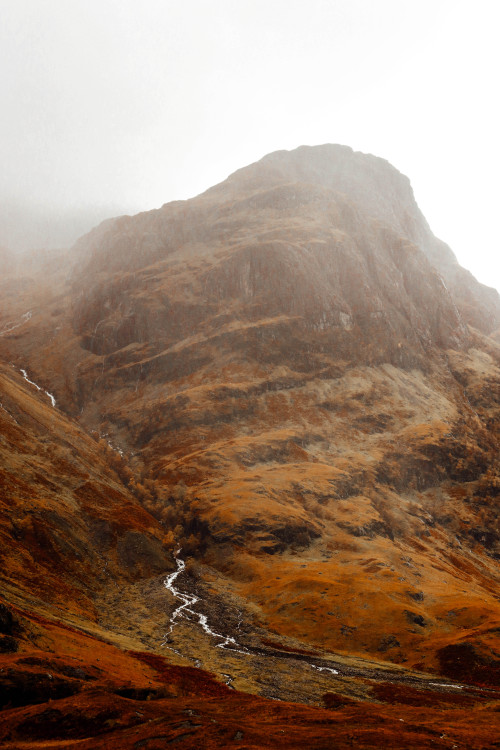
x,y
24,319
187,602
25,376
185,610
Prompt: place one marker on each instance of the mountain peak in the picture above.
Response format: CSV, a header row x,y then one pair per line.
x,y
370,182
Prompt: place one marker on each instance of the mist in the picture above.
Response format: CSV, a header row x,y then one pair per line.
x,y
25,226
118,107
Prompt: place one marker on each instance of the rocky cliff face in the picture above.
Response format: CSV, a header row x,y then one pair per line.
x,y
302,382
357,208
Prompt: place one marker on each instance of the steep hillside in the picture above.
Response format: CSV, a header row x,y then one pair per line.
x,y
302,383
283,347
69,525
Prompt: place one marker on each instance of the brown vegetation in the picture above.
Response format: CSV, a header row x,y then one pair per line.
x,y
278,381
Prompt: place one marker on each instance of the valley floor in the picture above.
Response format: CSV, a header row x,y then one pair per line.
x,y
118,684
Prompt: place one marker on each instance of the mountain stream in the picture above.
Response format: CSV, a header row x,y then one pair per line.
x,y
185,610
187,602
9,326
25,376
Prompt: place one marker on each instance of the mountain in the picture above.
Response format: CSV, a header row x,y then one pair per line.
x,y
293,380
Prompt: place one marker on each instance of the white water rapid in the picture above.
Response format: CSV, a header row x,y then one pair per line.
x,y
25,376
187,602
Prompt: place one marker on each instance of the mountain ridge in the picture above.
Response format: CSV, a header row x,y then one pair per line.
x,y
385,194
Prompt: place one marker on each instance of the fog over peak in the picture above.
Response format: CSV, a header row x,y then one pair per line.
x,y
112,107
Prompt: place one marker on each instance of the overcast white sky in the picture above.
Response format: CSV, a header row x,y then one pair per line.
x,y
124,105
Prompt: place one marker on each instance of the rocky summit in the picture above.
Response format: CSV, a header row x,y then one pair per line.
x,y
249,474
